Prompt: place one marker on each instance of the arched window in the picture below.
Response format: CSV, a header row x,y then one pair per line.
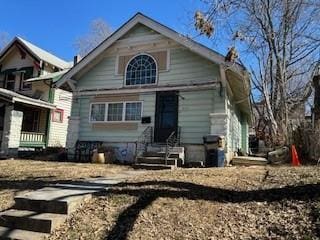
x,y
142,69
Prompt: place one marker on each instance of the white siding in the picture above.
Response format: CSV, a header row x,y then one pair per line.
x,y
58,131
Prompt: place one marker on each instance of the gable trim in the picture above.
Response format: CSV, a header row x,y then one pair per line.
x,y
158,27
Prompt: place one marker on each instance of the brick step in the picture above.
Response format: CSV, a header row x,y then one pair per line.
x,y
18,234
146,166
49,200
157,160
31,221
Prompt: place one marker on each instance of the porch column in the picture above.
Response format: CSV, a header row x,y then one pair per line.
x,y
73,132
11,131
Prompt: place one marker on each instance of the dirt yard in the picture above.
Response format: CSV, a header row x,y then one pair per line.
x,y
229,203
17,176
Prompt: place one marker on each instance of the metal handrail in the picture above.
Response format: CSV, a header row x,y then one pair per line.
x,y
144,139
172,141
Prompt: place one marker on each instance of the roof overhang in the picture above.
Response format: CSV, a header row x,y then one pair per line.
x,y
54,77
241,90
34,52
158,27
14,97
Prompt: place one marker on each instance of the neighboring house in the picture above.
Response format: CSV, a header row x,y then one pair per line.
x,y
32,113
146,76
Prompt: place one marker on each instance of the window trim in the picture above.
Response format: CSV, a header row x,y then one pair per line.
x,y
106,105
107,109
139,85
10,71
90,112
23,81
62,115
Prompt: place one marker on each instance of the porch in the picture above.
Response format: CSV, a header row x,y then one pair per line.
x,y
24,122
32,139
34,126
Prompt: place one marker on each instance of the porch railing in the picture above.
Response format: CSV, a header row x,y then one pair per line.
x,y
32,139
172,141
144,139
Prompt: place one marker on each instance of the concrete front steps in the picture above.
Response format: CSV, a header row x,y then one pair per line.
x,y
154,159
36,214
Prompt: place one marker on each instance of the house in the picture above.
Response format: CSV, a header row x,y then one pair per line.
x,y
148,84
32,113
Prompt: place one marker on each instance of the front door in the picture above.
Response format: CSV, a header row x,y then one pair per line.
x,y
166,117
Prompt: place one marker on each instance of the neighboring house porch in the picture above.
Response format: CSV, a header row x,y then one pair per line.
x,y
23,122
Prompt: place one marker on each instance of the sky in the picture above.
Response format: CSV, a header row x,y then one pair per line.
x,y
55,25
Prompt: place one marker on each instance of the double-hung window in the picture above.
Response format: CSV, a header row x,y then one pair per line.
x,y
116,112
10,80
133,111
98,111
25,75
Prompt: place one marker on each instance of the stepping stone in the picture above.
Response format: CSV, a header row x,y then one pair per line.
x,y
249,160
18,234
38,213
31,221
53,200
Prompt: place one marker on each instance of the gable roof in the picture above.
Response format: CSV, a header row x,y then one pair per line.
x,y
139,18
37,52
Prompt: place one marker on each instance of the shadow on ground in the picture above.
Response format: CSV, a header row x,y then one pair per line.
x,y
149,191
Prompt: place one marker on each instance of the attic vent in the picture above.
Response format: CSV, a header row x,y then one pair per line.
x,y
160,57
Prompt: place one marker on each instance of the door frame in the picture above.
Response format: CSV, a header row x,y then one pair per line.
x,y
157,112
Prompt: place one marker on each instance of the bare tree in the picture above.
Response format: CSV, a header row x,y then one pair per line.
x,y
4,39
282,40
99,31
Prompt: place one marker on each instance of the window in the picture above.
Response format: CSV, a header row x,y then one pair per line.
x,y
98,111
133,111
26,74
10,80
57,115
31,120
142,69
116,112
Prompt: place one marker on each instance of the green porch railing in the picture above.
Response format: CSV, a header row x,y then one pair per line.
x,y
32,139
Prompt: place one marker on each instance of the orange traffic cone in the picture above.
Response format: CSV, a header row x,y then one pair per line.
x,y
295,158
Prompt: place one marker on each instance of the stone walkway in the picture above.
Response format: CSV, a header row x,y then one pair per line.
x,y
36,214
